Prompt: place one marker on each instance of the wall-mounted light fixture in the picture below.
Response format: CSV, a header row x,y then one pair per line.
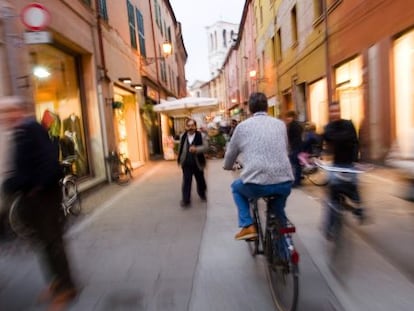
x,y
137,86
125,80
253,76
166,51
41,72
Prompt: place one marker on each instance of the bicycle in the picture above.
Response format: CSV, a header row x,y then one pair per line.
x,y
335,214
274,241
71,201
120,168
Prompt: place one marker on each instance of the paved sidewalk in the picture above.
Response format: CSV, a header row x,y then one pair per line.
x,y
136,249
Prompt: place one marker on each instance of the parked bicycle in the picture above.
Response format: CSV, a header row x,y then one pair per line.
x,y
120,168
71,201
274,241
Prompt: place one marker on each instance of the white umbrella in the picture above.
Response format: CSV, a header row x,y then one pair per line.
x,y
187,106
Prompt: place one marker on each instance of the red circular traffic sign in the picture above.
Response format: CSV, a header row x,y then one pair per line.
x,y
35,16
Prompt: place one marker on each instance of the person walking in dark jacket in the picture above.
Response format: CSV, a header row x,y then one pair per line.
x,y
35,172
192,161
294,132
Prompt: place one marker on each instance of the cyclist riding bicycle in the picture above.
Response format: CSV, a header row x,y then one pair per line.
x,y
260,143
342,142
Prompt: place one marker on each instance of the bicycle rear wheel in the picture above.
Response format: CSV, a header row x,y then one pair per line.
x,y
282,274
319,177
71,198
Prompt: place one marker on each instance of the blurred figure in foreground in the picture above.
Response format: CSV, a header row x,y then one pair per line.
x,y
294,132
261,143
34,173
342,142
192,161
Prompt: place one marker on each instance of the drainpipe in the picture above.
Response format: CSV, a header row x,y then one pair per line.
x,y
154,42
102,76
327,61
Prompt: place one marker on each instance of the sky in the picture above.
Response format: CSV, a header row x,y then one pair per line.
x,y
195,16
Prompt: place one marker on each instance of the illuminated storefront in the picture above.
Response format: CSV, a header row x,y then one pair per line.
x,y
403,90
126,125
349,92
58,104
318,104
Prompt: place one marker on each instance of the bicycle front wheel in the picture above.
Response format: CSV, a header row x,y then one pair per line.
x,y
71,198
282,275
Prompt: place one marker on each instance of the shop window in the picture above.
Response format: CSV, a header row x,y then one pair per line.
x,y
318,104
294,23
57,102
403,58
348,78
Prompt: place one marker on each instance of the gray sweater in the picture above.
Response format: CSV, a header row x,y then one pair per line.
x,y
260,144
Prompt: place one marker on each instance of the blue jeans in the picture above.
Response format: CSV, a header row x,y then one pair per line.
x,y
243,192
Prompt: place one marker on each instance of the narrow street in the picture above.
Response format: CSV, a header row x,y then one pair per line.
x,y
136,249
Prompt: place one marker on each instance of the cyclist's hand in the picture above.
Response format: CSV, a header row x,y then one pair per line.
x,y
237,166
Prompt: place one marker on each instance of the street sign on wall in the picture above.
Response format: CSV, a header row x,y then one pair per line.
x,y
37,37
35,16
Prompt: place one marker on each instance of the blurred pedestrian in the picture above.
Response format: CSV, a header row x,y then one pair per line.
x,y
294,132
311,146
233,125
35,172
192,161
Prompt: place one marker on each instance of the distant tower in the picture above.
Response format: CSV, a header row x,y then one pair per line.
x,y
221,35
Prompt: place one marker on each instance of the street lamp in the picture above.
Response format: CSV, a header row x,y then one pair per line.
x,y
166,50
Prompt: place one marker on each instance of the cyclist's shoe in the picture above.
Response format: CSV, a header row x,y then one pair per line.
x,y
247,233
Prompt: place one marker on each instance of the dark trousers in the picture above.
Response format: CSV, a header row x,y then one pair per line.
x,y
297,168
188,172
42,211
